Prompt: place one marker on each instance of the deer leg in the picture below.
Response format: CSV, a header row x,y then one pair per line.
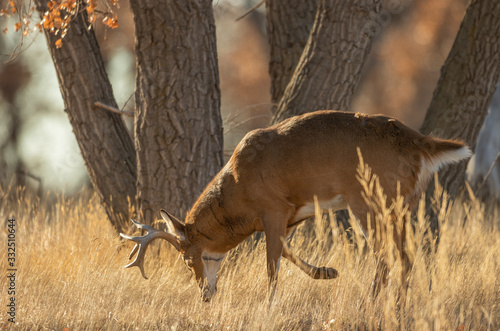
x,y
360,210
399,239
312,271
382,272
381,276
275,229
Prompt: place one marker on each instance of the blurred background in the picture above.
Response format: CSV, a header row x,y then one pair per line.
x,y
38,148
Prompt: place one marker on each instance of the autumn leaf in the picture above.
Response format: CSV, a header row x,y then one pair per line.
x,y
12,5
18,26
68,4
91,6
59,43
5,30
58,22
46,23
111,22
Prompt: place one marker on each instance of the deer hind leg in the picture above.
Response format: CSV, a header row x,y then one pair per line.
x,y
360,211
381,276
380,250
399,239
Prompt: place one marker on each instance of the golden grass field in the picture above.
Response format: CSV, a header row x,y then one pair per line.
x,y
71,277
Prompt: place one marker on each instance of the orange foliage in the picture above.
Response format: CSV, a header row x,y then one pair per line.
x,y
57,19
111,22
12,5
91,6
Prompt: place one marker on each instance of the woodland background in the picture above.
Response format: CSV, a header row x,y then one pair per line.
x,y
38,149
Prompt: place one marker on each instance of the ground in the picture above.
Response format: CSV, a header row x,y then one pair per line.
x,y
70,275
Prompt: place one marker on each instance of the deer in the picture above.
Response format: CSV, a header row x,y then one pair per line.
x,y
276,174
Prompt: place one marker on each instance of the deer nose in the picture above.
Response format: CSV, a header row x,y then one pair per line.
x,y
207,293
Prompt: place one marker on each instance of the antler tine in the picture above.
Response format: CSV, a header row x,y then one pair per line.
x,y
142,243
139,259
136,247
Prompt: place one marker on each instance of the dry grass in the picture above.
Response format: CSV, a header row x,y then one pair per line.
x,y
70,275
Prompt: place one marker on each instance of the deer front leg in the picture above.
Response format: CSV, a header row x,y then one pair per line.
x,y
275,229
312,271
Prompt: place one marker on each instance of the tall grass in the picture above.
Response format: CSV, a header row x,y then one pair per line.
x,y
70,275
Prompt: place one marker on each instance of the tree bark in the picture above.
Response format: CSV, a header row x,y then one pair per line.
x,y
330,67
288,27
104,142
178,127
466,85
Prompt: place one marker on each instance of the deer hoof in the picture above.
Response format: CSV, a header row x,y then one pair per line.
x,y
325,273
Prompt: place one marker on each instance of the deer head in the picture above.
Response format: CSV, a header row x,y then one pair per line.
x,y
203,264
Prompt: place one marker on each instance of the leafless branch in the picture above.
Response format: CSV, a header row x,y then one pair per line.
x,y
488,173
113,109
36,178
251,10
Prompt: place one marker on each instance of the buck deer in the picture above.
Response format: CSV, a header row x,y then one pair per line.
x,y
270,182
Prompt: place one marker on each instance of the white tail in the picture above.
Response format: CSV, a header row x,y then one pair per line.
x,y
270,182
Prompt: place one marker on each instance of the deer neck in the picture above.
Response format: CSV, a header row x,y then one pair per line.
x,y
215,218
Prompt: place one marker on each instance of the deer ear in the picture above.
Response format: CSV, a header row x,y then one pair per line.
x,y
174,226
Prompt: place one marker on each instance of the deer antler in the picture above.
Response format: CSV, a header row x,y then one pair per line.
x,y
142,243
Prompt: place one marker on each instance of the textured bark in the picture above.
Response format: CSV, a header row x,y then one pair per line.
x,y
288,27
104,142
178,127
466,85
330,66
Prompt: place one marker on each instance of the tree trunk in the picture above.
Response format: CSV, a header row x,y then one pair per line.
x,y
288,27
330,66
105,144
466,86
178,127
